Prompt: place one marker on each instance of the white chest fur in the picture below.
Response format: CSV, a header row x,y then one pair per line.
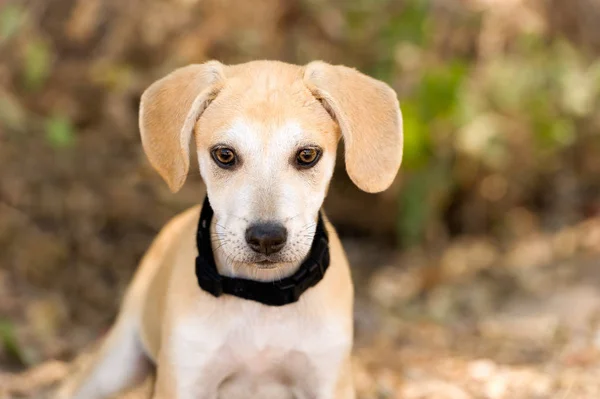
x,y
249,350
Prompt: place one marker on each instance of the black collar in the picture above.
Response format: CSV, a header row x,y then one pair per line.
x,y
272,293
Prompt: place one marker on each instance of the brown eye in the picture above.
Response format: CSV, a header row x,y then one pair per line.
x,y
308,157
224,157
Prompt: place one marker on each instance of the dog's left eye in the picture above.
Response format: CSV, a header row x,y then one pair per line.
x,y
308,157
224,157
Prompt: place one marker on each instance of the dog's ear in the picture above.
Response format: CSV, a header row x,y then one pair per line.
x,y
370,120
169,109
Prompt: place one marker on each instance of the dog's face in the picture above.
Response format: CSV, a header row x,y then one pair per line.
x,y
266,150
266,135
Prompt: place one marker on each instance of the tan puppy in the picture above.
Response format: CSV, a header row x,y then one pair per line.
x,y
266,135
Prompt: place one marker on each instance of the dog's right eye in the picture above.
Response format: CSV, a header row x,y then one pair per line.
x,y
224,157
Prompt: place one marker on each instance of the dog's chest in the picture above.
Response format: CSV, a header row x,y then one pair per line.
x,y
268,351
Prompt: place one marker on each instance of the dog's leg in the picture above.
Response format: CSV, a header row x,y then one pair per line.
x,y
121,360
335,371
345,385
119,364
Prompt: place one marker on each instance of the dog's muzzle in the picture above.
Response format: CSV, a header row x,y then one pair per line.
x,y
266,238
273,293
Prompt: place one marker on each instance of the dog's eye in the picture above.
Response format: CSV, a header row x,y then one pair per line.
x,y
308,157
224,157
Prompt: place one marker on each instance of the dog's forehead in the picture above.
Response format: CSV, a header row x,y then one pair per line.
x,y
267,89
268,99
251,136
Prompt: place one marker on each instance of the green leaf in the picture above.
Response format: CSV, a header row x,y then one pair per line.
x,y
436,98
413,210
438,92
421,200
356,19
408,25
417,141
60,132
8,339
553,133
11,18
37,64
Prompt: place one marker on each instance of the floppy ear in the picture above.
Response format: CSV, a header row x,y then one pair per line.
x,y
370,120
169,109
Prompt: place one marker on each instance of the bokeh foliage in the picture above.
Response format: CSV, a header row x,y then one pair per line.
x,y
499,99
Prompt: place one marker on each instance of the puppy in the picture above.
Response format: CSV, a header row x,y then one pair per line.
x,y
250,295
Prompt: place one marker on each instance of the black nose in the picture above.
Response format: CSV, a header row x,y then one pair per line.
x,y
266,238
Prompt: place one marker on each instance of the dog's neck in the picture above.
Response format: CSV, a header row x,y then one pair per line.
x,y
250,271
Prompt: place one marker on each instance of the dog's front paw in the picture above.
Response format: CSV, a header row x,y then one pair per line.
x,y
69,386
67,389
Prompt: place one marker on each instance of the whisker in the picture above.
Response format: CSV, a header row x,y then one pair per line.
x,y
308,226
240,217
292,217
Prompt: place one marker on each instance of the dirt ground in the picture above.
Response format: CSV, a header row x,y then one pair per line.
x,y
519,320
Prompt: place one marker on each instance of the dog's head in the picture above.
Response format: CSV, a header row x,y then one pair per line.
x,y
266,135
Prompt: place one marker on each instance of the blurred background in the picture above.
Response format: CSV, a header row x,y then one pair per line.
x,y
477,274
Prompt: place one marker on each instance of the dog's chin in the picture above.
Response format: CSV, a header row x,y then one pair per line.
x,y
272,262
267,265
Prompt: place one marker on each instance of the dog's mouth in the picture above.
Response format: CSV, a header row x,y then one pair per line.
x,y
272,261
